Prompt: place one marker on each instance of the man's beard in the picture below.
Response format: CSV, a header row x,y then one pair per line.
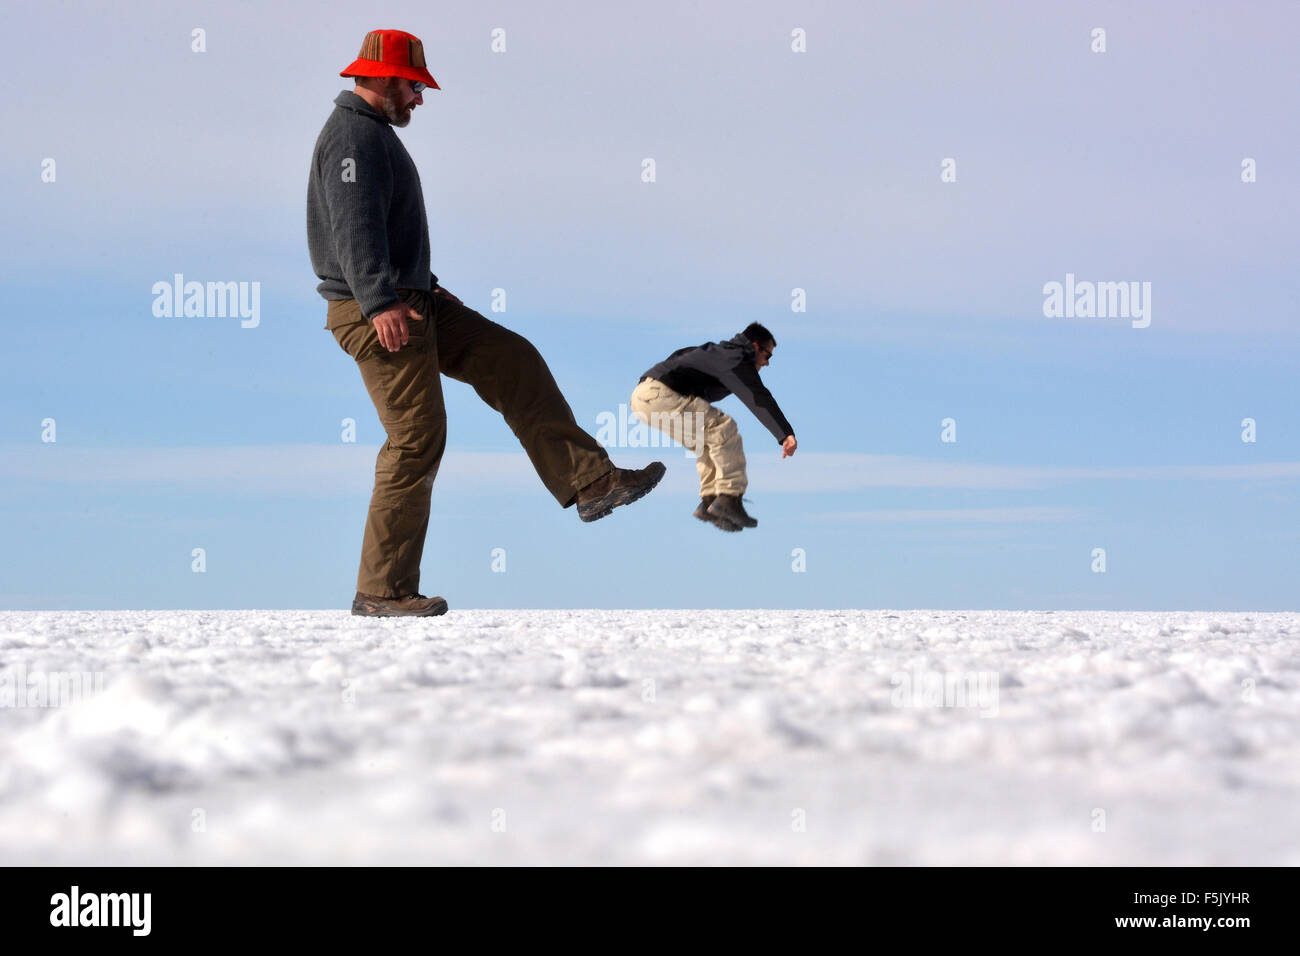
x,y
395,114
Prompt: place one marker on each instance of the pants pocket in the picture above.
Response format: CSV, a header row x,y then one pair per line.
x,y
358,340
407,378
649,392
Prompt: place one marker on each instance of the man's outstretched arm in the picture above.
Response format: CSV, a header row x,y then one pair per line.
x,y
745,384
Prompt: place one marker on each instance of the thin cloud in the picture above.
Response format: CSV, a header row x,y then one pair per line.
x,y
831,472
299,470
326,470
1033,513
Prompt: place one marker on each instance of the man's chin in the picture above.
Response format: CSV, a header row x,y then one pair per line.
x,y
397,117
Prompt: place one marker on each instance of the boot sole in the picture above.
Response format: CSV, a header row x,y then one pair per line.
x,y
374,609
720,523
595,510
734,527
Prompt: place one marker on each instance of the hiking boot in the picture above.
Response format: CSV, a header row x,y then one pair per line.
x,y
729,508
412,605
702,512
617,487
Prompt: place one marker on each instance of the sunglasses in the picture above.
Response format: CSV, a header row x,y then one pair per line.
x,y
417,87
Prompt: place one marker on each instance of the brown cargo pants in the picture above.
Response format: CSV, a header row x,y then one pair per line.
x,y
507,372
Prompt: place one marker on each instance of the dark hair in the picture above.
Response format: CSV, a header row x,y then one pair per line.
x,y
758,333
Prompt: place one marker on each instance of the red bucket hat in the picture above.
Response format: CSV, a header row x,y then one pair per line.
x,y
391,53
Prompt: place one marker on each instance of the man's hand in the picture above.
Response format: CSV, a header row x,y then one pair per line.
x,y
441,291
390,325
788,446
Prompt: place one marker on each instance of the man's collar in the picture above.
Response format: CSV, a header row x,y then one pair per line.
x,y
350,101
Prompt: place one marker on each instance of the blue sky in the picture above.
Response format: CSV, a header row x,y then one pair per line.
x,y
775,170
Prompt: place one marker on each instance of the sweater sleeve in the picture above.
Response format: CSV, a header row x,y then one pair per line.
x,y
358,212
744,383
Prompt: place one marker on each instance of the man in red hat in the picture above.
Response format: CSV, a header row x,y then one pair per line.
x,y
369,242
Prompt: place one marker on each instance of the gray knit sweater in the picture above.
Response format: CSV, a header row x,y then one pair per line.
x,y
366,227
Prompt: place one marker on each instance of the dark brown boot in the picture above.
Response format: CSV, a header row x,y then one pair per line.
x,y
702,512
616,488
412,605
729,508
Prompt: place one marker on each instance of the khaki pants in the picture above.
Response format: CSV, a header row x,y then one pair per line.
x,y
504,369
712,435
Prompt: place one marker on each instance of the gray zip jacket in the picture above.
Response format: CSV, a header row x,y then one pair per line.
x,y
714,370
367,231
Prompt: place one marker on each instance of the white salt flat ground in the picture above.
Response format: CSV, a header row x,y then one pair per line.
x,y
652,737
